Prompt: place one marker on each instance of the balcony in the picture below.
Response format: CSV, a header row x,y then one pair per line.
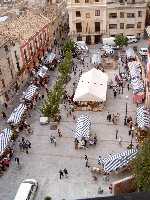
x,y
74,33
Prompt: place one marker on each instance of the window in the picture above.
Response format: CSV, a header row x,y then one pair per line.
x,y
97,26
79,27
139,24
112,15
133,1
130,26
8,60
0,72
78,14
15,52
112,26
77,1
25,55
3,83
79,38
139,13
97,12
121,25
96,0
130,15
18,66
6,48
86,1
121,14
87,15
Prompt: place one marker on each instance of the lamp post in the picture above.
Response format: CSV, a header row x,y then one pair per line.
x,y
126,113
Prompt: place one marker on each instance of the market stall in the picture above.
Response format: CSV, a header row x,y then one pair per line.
x,y
130,54
117,161
17,114
143,117
42,71
96,59
30,92
91,90
5,136
135,69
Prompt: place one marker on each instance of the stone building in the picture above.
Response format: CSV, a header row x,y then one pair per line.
x,y
89,20
126,17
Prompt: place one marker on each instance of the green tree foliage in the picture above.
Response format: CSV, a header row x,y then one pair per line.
x,y
141,167
121,40
69,46
47,198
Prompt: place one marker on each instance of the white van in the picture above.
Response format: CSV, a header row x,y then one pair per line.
x,y
27,190
131,39
143,51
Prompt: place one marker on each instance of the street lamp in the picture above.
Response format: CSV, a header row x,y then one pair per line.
x,y
125,119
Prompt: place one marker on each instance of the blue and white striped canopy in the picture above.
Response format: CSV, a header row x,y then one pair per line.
x,y
30,92
82,127
117,161
42,71
143,117
4,139
134,68
16,115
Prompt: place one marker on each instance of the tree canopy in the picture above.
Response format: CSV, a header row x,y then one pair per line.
x,y
141,167
121,40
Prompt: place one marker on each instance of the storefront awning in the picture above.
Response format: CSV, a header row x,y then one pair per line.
x,y
30,92
143,117
5,136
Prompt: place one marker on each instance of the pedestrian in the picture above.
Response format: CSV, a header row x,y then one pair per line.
x,y
51,139
74,117
17,161
115,93
28,143
108,116
128,86
129,132
5,105
117,133
54,141
22,139
61,174
20,146
85,157
120,140
3,115
87,163
66,173
59,133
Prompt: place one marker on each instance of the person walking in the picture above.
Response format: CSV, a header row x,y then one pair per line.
x,y
3,115
120,140
5,105
59,133
66,173
117,133
51,139
54,141
128,86
87,163
85,157
61,174
17,161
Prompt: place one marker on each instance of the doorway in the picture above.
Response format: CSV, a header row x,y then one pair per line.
x,y
97,39
88,39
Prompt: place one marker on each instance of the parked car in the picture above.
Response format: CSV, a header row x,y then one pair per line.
x,y
143,51
108,49
131,39
27,190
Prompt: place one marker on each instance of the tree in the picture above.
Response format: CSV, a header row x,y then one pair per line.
x,y
69,46
141,167
121,40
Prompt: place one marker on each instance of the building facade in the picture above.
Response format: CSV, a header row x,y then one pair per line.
x,y
126,17
87,20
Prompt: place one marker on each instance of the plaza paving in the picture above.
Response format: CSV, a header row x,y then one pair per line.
x,y
44,160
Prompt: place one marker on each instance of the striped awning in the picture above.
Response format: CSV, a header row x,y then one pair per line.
x,y
134,68
42,71
117,161
5,136
82,127
143,117
30,92
16,115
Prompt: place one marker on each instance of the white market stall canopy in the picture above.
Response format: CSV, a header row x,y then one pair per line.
x,y
82,127
130,53
42,71
17,114
49,58
81,45
29,93
96,59
143,117
5,136
117,161
92,86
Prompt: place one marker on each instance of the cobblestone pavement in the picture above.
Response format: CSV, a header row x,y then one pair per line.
x,y
45,160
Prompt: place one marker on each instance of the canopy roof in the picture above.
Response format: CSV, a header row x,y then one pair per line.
x,y
96,58
92,86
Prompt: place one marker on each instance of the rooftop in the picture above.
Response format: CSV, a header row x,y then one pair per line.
x,y
23,26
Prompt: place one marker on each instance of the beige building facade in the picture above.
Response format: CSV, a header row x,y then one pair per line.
x,y
87,20
126,17
90,20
